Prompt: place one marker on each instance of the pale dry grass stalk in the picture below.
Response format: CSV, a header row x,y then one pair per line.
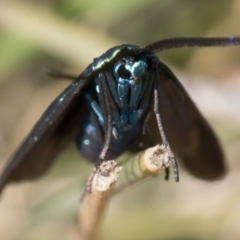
x,y
147,163
95,202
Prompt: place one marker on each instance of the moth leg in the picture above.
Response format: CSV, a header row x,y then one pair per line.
x,y
167,173
106,104
107,140
146,130
96,109
160,126
146,125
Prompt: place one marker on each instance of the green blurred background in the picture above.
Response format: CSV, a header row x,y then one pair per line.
x,y
36,36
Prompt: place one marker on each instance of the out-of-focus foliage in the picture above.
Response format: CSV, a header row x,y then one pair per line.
x,y
67,35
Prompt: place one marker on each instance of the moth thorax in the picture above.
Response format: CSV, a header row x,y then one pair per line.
x,y
129,74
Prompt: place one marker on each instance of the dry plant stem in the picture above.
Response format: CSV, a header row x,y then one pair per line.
x,y
145,164
94,203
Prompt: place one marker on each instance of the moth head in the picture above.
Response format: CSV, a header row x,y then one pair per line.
x,y
131,71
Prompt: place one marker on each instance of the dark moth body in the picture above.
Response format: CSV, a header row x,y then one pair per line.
x,y
115,105
125,85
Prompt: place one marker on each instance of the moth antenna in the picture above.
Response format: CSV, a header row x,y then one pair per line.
x,y
180,42
160,126
53,74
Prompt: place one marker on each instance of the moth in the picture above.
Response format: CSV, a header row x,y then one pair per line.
x,y
108,106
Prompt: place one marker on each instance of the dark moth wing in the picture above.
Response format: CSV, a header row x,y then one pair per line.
x,y
188,133
56,128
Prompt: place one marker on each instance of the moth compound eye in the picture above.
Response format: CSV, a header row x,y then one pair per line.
x,y
139,68
122,71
